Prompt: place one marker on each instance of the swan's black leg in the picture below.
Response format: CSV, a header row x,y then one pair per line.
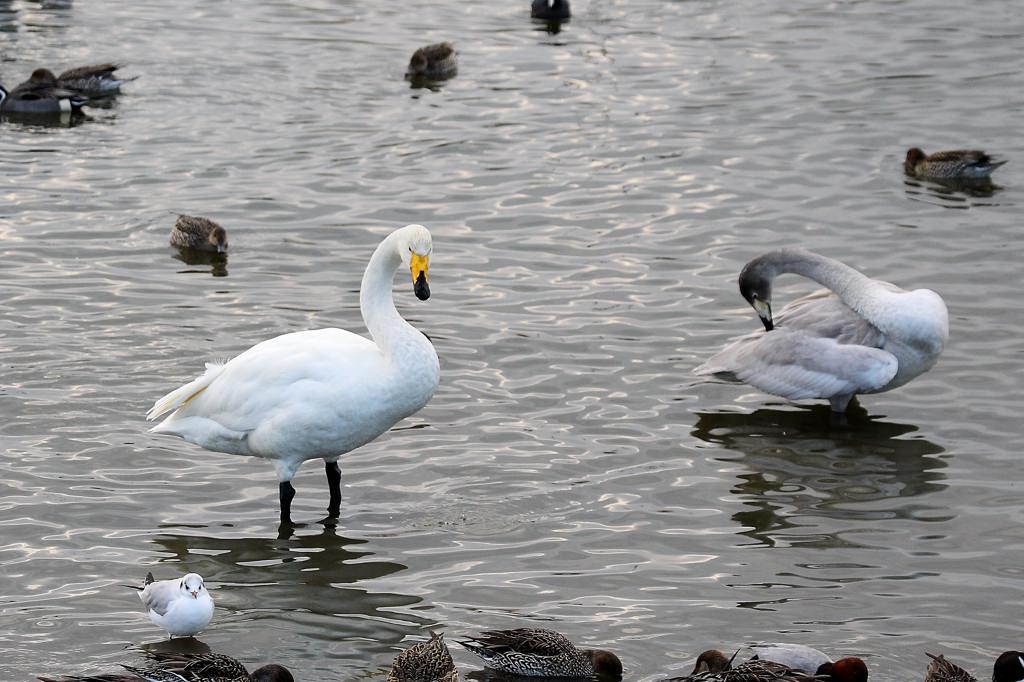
x,y
840,403
334,482
287,493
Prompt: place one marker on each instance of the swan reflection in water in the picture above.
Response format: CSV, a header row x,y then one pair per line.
x,y
306,580
797,466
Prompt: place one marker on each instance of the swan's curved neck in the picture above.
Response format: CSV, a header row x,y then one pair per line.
x,y
375,296
861,293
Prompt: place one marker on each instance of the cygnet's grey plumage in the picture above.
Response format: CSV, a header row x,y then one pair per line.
x,y
195,232
857,336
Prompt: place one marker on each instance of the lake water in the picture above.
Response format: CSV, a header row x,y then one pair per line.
x,y
592,194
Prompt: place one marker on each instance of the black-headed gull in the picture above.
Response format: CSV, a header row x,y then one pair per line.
x,y
181,606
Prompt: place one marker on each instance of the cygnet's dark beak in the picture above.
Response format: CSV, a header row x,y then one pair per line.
x,y
420,286
764,311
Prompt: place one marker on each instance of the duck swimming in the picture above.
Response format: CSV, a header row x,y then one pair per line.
x,y
536,652
428,661
960,164
434,62
1009,667
713,666
93,79
96,80
40,95
202,234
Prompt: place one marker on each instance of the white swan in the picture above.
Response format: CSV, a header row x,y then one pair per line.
x,y
321,393
863,336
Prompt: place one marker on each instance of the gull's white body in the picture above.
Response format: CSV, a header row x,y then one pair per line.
x,y
858,336
181,606
314,394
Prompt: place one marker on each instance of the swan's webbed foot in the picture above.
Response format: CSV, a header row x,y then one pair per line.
x,y
334,483
329,522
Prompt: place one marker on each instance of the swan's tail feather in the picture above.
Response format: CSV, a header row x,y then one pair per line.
x,y
182,396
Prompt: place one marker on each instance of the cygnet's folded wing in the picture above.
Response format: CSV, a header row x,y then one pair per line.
x,y
796,365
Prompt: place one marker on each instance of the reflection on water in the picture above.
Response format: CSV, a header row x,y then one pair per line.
x,y
313,585
307,580
68,119
553,27
952,193
218,262
590,195
16,17
175,645
799,466
301,572
424,83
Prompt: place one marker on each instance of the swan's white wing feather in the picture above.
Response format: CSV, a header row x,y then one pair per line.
x,y
267,367
306,393
183,394
794,365
285,370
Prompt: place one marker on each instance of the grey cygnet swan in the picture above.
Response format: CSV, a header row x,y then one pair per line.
x,y
859,335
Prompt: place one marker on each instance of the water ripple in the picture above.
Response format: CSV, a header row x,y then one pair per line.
x,y
592,194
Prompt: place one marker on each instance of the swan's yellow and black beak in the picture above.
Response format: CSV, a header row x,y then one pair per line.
x,y
420,266
764,311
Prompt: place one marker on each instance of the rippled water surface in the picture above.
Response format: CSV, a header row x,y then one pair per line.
x,y
592,194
